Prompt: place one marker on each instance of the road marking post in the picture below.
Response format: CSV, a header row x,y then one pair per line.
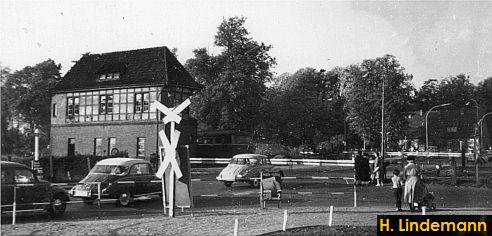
x,y
236,226
423,210
285,221
14,207
355,195
330,221
99,195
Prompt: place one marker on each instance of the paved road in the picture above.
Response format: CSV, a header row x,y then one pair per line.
x,y
209,193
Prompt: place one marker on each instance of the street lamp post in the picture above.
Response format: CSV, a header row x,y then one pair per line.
x,y
476,157
426,126
382,131
475,151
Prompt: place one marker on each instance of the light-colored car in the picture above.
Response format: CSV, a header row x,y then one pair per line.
x,y
244,167
120,178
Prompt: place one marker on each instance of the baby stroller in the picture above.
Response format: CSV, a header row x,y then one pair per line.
x,y
427,200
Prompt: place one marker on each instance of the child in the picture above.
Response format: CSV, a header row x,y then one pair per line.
x,y
397,188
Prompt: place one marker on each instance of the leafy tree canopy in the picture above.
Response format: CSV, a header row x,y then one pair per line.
x,y
27,95
364,93
234,80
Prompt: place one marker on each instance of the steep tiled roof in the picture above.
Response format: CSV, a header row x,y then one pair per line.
x,y
141,66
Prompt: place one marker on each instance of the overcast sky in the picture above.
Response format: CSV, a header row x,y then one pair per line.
x,y
430,39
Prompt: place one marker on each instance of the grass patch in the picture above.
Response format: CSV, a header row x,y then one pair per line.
x,y
326,230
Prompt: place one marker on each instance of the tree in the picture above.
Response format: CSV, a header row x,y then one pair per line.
x,y
364,98
453,89
234,80
303,108
484,94
28,95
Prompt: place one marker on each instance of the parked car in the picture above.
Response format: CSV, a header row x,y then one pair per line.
x,y
29,190
120,178
243,167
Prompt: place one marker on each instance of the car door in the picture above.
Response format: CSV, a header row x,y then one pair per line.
x,y
140,174
29,188
7,188
147,175
155,183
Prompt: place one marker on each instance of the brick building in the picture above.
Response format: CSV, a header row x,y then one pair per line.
x,y
102,105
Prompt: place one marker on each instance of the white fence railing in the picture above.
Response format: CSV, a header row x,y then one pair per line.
x,y
319,162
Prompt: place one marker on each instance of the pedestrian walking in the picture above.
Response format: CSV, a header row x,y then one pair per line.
x,y
397,188
413,187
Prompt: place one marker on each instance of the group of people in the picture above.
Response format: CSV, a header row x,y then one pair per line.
x,y
407,183
365,173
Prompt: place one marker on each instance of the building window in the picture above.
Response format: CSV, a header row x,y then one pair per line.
x,y
54,109
98,149
71,147
142,101
73,106
112,146
140,147
111,105
106,104
109,76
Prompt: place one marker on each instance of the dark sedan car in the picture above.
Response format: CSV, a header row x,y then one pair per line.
x,y
120,178
30,191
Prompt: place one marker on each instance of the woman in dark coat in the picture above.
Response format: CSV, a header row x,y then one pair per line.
x,y
366,170
358,167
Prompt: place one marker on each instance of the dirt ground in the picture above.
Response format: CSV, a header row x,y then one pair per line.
x,y
254,221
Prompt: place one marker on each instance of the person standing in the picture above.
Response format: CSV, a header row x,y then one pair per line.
x,y
397,188
413,188
358,167
366,170
377,171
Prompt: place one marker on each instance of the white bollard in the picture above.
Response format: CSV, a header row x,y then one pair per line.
x,y
236,226
330,221
285,220
355,195
14,205
99,194
423,210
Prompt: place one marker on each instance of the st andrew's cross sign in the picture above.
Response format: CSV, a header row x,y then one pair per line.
x,y
171,116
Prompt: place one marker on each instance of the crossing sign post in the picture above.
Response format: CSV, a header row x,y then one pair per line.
x,y
171,116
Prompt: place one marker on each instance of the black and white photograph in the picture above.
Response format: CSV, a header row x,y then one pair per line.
x,y
271,117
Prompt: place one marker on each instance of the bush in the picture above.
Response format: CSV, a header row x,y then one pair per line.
x,y
277,149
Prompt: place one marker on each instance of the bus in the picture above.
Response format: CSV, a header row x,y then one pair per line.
x,y
223,143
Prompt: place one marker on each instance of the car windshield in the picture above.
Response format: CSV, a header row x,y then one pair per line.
x,y
109,169
240,161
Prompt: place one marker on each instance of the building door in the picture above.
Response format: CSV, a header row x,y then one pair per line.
x,y
71,147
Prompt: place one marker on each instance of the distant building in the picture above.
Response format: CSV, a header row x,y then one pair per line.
x,y
102,105
446,129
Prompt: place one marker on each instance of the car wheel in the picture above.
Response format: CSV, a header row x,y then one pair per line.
x,y
488,182
124,199
88,200
228,183
255,183
58,205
